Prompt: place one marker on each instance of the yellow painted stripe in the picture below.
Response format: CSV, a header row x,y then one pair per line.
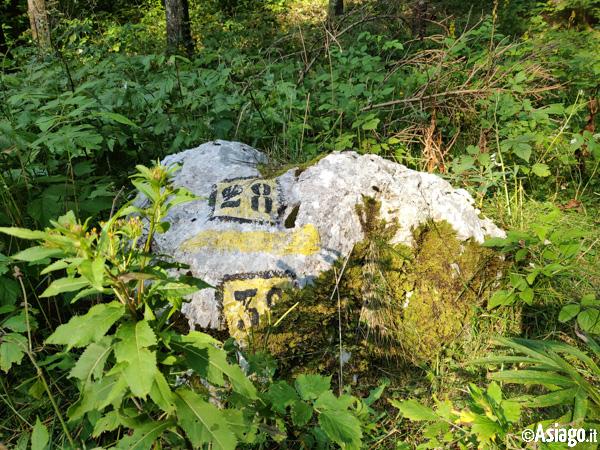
x,y
302,241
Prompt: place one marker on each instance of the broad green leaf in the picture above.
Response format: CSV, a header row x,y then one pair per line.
x,y
376,393
501,297
541,170
24,233
109,422
141,368
486,428
67,284
495,242
82,330
568,312
11,350
202,421
97,395
341,427
146,189
590,300
117,118
527,296
281,395
560,397
91,362
33,254
329,401
144,436
311,386
495,392
93,271
9,290
302,412
17,323
240,423
510,410
161,393
589,320
532,377
413,410
211,363
61,264
40,436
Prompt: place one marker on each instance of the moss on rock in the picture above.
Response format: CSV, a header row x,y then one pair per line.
x,y
395,302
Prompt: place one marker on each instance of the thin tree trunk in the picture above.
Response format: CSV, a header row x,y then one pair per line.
x,y
178,26
336,8
38,19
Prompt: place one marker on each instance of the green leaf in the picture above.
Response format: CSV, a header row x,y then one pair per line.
x,y
33,254
161,393
145,435
117,118
24,233
40,436
568,312
589,300
311,386
109,422
82,330
281,395
91,362
341,427
202,421
541,170
11,350
589,320
330,401
501,297
147,190
67,284
211,363
413,410
511,411
532,377
93,271
527,296
485,428
495,392
16,323
302,412
141,370
495,242
560,397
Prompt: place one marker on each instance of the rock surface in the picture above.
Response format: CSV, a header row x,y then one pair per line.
x,y
255,236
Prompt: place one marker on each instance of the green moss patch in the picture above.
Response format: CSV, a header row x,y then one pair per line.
x,y
394,303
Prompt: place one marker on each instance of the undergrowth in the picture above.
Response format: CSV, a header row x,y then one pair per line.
x,y
501,103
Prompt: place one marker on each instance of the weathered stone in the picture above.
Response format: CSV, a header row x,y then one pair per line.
x,y
256,236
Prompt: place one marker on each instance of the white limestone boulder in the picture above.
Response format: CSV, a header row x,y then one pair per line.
x,y
256,236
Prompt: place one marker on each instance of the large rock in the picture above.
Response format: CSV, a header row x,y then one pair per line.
x,y
256,235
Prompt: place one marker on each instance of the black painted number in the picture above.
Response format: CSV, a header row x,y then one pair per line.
x,y
230,193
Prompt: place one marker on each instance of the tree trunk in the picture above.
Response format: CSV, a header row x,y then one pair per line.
x,y
420,18
178,26
40,31
336,8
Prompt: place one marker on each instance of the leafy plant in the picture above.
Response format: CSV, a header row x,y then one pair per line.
x,y
485,421
129,351
544,255
573,379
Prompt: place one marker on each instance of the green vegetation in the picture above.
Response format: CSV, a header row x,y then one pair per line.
x,y
500,98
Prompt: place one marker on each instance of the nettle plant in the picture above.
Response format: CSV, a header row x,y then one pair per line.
x,y
140,379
